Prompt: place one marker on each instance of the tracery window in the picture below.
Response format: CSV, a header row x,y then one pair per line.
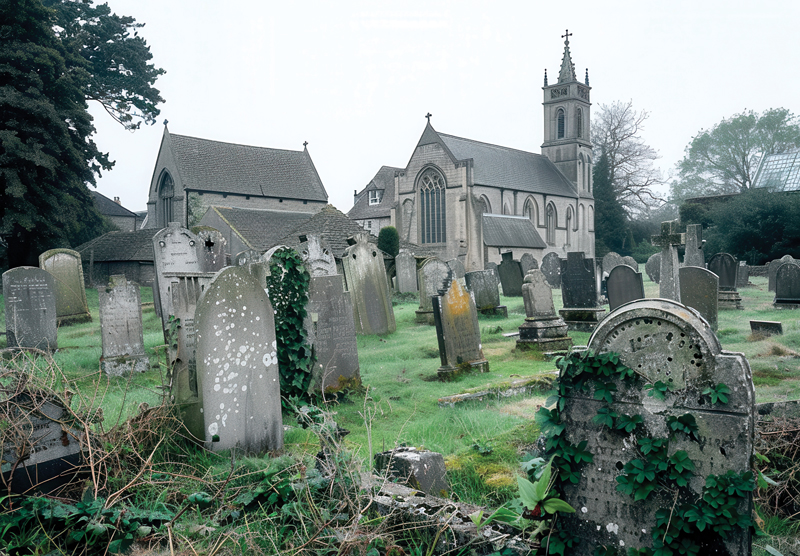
x,y
550,220
432,208
166,193
561,123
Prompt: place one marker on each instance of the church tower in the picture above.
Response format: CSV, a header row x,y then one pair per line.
x,y
567,124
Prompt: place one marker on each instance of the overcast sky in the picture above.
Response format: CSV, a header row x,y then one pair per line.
x,y
355,79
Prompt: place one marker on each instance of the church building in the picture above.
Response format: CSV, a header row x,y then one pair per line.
x,y
193,174
470,200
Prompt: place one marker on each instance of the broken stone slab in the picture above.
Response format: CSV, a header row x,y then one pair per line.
x,y
766,327
522,386
418,468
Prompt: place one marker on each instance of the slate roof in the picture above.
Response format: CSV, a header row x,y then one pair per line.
x,y
120,246
206,165
107,207
500,230
262,229
498,166
383,180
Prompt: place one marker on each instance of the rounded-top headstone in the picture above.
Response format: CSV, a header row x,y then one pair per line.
x,y
610,260
551,268
631,262
528,262
653,267
434,276
30,308
787,284
725,266
65,266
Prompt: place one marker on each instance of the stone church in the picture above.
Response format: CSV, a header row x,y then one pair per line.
x,y
193,174
466,199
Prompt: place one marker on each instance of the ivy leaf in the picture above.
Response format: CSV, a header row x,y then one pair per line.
x,y
605,416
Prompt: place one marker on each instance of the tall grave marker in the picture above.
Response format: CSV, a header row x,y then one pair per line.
x,y
366,280
726,267
433,276
29,294
457,330
579,293
699,290
405,265
694,255
121,328
669,241
65,266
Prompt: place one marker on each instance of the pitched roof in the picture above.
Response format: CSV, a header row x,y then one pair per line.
x,y
510,168
120,246
779,172
107,207
206,165
383,181
261,229
500,230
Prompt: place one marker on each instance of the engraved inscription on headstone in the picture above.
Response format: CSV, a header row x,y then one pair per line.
x,y
65,266
30,308
121,328
175,249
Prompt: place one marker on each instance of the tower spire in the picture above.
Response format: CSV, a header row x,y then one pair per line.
x,y
567,73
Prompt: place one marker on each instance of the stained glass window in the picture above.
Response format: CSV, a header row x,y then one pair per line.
x,y
432,207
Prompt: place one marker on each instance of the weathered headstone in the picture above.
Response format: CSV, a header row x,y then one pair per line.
x,y
528,262
237,365
773,269
405,265
121,328
611,260
631,262
317,256
457,269
65,266
662,341
743,275
579,293
457,331
699,290
669,241
420,469
542,330
766,327
624,284
510,272
551,267
787,286
29,294
212,250
653,267
366,281
694,254
434,275
332,333
484,287
175,249
725,266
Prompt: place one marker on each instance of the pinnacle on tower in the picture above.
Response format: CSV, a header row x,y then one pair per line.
x,y
587,77
545,77
567,73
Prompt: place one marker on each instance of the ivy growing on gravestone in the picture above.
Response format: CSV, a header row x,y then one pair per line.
x,y
288,292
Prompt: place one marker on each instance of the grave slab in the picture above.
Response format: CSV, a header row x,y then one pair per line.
x,y
420,469
484,287
65,266
699,290
579,293
542,330
766,327
726,267
787,286
551,267
405,265
457,331
510,272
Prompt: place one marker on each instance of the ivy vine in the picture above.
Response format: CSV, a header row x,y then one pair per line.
x,y
288,292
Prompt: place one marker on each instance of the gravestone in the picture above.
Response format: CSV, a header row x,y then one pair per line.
x,y
457,268
510,272
121,328
246,257
317,256
237,365
653,267
662,341
175,249
743,275
551,267
457,331
669,241
527,262
624,284
420,469
39,448
694,254
29,294
484,287
332,333
766,327
773,269
579,293
365,275
212,250
631,262
65,266
433,276
611,260
699,290
787,286
725,266
405,265
542,330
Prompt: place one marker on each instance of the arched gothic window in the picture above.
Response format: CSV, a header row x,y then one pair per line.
x,y
581,224
569,226
581,171
591,218
166,193
531,212
550,220
589,174
579,122
432,208
487,206
560,118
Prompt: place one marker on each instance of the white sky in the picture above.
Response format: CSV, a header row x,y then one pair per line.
x,y
355,79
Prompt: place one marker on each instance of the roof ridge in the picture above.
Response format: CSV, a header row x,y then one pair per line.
x,y
236,144
490,144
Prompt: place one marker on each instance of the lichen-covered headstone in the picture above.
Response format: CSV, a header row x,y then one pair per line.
x,y
212,250
237,364
65,266
624,284
121,328
542,330
317,256
694,254
175,249
663,342
405,265
551,267
457,331
510,272
433,275
653,267
29,294
699,290
365,275
669,241
787,285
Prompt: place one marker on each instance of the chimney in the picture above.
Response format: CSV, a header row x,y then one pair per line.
x,y
116,200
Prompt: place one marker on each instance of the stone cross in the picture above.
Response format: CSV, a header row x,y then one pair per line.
x,y
567,36
428,115
694,255
669,240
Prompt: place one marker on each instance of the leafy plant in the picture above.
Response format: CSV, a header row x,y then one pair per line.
x,y
685,423
717,393
658,390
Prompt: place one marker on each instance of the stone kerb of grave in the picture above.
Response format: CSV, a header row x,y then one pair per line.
x,y
237,365
365,275
433,276
542,330
484,287
457,331
65,266
665,341
624,284
787,286
121,328
212,250
30,308
551,267
726,267
653,267
175,250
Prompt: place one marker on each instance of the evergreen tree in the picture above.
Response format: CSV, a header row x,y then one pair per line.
x,y
389,240
610,223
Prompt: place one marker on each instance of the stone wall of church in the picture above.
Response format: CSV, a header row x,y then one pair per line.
x,y
198,203
374,225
